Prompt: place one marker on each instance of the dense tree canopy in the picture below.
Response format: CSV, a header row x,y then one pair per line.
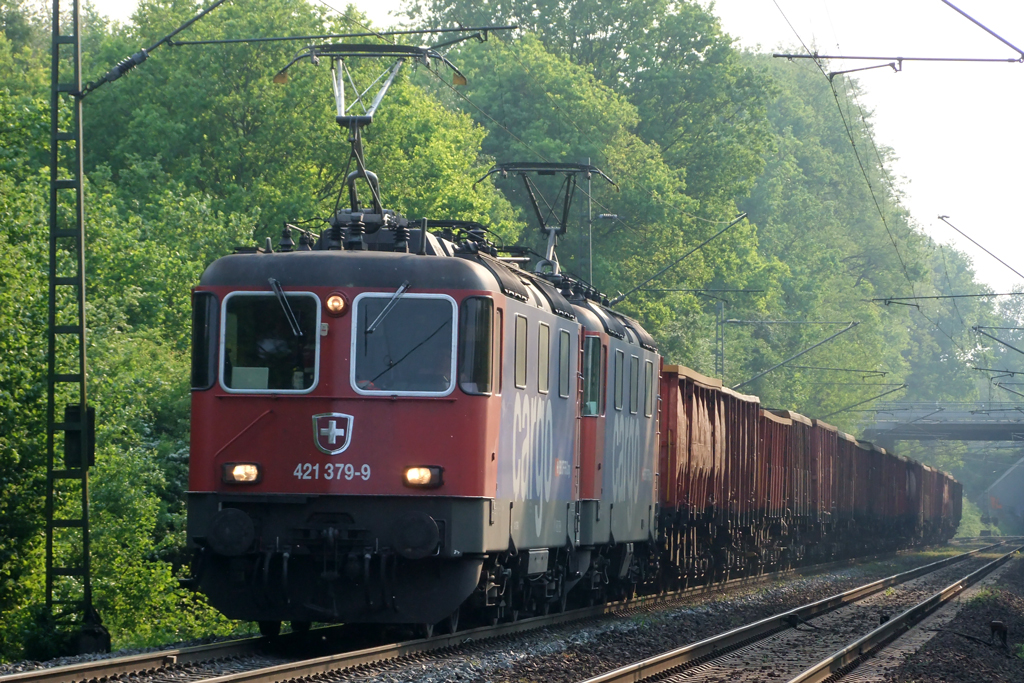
x,y
198,150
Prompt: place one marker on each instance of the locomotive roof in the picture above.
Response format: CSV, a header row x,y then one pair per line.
x,y
645,339
612,325
587,317
386,270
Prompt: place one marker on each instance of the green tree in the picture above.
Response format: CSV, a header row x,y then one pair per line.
x,y
697,100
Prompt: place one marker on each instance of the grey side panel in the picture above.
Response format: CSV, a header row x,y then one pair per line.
x,y
537,446
628,492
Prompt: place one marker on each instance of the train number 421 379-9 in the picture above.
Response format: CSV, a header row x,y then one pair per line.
x,y
346,471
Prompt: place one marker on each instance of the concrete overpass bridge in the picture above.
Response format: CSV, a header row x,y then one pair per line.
x,y
984,421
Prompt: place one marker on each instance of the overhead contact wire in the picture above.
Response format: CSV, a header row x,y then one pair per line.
x,y
863,170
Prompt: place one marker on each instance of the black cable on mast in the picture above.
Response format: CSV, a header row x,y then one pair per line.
x,y
986,29
129,63
873,398
943,219
675,263
980,331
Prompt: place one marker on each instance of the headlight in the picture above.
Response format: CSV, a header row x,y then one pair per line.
x,y
424,476
336,305
241,473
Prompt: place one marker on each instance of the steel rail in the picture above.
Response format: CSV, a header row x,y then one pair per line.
x,y
105,669
152,661
721,644
841,662
112,667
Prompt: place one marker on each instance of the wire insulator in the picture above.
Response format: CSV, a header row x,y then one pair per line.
x,y
402,235
356,230
126,65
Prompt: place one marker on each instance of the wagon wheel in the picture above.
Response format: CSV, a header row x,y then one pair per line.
x,y
450,624
269,629
425,630
563,600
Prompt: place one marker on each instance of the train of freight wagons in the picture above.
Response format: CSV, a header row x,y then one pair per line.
x,y
395,423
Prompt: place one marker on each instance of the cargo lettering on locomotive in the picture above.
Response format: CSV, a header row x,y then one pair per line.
x,y
626,472
533,466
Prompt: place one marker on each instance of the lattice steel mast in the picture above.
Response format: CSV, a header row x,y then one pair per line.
x,y
68,570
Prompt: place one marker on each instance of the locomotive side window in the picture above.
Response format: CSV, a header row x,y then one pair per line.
x,y
593,377
649,389
543,358
563,363
475,345
634,384
604,373
204,354
619,362
499,348
403,345
520,352
270,344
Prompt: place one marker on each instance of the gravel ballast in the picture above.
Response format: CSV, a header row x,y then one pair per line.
x,y
955,653
578,651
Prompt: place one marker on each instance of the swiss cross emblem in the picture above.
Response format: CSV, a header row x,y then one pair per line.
x,y
332,432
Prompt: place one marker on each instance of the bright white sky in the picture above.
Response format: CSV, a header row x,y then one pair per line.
x,y
955,127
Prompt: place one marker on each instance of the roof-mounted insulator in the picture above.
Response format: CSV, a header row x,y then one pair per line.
x,y
286,243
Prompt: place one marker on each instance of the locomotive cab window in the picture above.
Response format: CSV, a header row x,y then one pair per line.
x,y
475,345
204,349
270,344
593,378
403,344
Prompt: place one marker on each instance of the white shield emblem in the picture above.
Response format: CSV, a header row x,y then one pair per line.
x,y
332,432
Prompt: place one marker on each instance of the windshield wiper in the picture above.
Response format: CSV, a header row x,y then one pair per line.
x,y
392,366
387,309
286,307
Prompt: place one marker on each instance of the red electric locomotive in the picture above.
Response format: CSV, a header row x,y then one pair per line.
x,y
378,434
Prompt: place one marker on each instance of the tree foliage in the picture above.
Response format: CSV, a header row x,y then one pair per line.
x,y
198,150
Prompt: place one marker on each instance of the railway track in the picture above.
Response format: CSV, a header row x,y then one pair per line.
x,y
789,646
239,658
844,661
